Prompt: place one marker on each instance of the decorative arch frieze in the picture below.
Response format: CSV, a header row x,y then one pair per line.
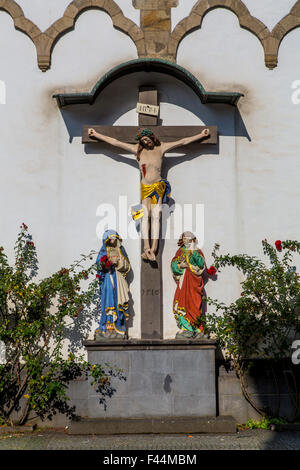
x,y
285,26
45,41
20,22
270,40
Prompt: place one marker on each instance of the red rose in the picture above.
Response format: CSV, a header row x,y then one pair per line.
x,y
63,271
103,259
97,276
211,271
108,264
278,245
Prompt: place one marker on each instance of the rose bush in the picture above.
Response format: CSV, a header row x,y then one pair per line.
x,y
36,316
265,320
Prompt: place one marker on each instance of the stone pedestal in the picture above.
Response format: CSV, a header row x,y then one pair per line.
x,y
164,378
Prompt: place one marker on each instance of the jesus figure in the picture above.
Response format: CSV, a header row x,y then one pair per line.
x,y
155,190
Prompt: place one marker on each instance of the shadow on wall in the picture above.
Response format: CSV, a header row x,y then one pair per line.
x,y
180,105
272,385
117,102
81,327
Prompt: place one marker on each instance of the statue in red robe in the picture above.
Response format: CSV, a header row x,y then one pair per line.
x,y
187,267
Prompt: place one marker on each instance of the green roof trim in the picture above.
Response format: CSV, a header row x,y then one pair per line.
x,y
148,65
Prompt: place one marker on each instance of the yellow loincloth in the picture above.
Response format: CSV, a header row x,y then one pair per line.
x,y
149,190
160,189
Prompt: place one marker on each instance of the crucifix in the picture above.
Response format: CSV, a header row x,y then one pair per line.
x,y
149,143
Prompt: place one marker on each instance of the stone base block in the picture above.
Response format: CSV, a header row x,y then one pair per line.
x,y
160,379
179,425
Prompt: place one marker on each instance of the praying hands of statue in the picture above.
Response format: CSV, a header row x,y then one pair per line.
x,y
183,265
114,260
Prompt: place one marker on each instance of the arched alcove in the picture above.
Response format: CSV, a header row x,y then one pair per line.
x,y
148,65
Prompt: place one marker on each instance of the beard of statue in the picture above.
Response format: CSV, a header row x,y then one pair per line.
x,y
147,145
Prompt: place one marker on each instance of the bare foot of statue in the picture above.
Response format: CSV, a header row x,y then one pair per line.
x,y
152,256
147,253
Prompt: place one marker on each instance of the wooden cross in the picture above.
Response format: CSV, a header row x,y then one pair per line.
x,y
151,273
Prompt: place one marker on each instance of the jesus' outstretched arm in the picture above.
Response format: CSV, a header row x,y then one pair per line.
x,y
166,146
132,148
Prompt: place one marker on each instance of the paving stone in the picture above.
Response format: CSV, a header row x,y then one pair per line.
x,y
244,440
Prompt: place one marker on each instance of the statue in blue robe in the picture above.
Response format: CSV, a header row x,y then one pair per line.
x,y
113,266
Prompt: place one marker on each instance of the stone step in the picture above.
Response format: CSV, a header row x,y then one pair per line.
x,y
165,425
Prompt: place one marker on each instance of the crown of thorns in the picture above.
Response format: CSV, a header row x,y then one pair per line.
x,y
144,133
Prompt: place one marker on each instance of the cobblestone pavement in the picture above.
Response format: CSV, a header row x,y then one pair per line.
x,y
243,440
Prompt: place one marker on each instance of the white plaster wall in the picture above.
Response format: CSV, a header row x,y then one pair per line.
x,y
43,12
129,10
183,9
269,12
267,167
48,180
